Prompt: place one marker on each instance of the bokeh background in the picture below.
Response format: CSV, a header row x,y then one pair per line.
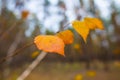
x,y
22,20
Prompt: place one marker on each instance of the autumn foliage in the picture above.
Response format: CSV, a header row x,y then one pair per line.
x,y
24,14
84,27
56,43
66,36
50,43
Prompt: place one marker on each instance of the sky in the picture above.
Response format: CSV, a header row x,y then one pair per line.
x,y
52,22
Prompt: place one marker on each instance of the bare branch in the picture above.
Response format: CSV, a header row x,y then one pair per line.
x,y
32,66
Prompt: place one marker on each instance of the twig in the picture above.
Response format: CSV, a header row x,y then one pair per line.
x,y
66,25
3,35
14,45
32,66
63,27
16,52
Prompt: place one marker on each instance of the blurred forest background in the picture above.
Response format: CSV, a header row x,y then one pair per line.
x,y
22,20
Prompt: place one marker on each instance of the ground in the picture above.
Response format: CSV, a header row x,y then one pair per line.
x,y
69,71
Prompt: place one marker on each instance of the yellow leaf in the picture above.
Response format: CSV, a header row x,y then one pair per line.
x,y
81,28
66,36
117,63
35,54
50,43
91,73
93,23
89,24
77,46
79,77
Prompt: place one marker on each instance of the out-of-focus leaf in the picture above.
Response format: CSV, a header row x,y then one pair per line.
x,y
24,14
117,64
77,46
50,43
35,54
66,36
116,50
93,23
91,73
81,28
79,77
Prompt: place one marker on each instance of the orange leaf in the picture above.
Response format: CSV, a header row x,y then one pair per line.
x,y
49,43
81,28
66,36
93,23
24,14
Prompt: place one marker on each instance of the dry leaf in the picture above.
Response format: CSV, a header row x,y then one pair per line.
x,y
49,43
93,23
66,36
81,28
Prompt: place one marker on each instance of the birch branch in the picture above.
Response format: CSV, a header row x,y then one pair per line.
x,y
32,66
14,45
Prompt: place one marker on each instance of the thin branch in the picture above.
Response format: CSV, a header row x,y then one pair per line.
x,y
3,35
66,25
32,66
63,27
14,45
16,53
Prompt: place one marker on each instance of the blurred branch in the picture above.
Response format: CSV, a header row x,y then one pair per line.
x,y
32,66
16,53
66,25
14,45
3,35
92,6
63,27
81,3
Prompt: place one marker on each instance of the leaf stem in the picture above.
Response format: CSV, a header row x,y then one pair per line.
x,y
63,27
66,25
